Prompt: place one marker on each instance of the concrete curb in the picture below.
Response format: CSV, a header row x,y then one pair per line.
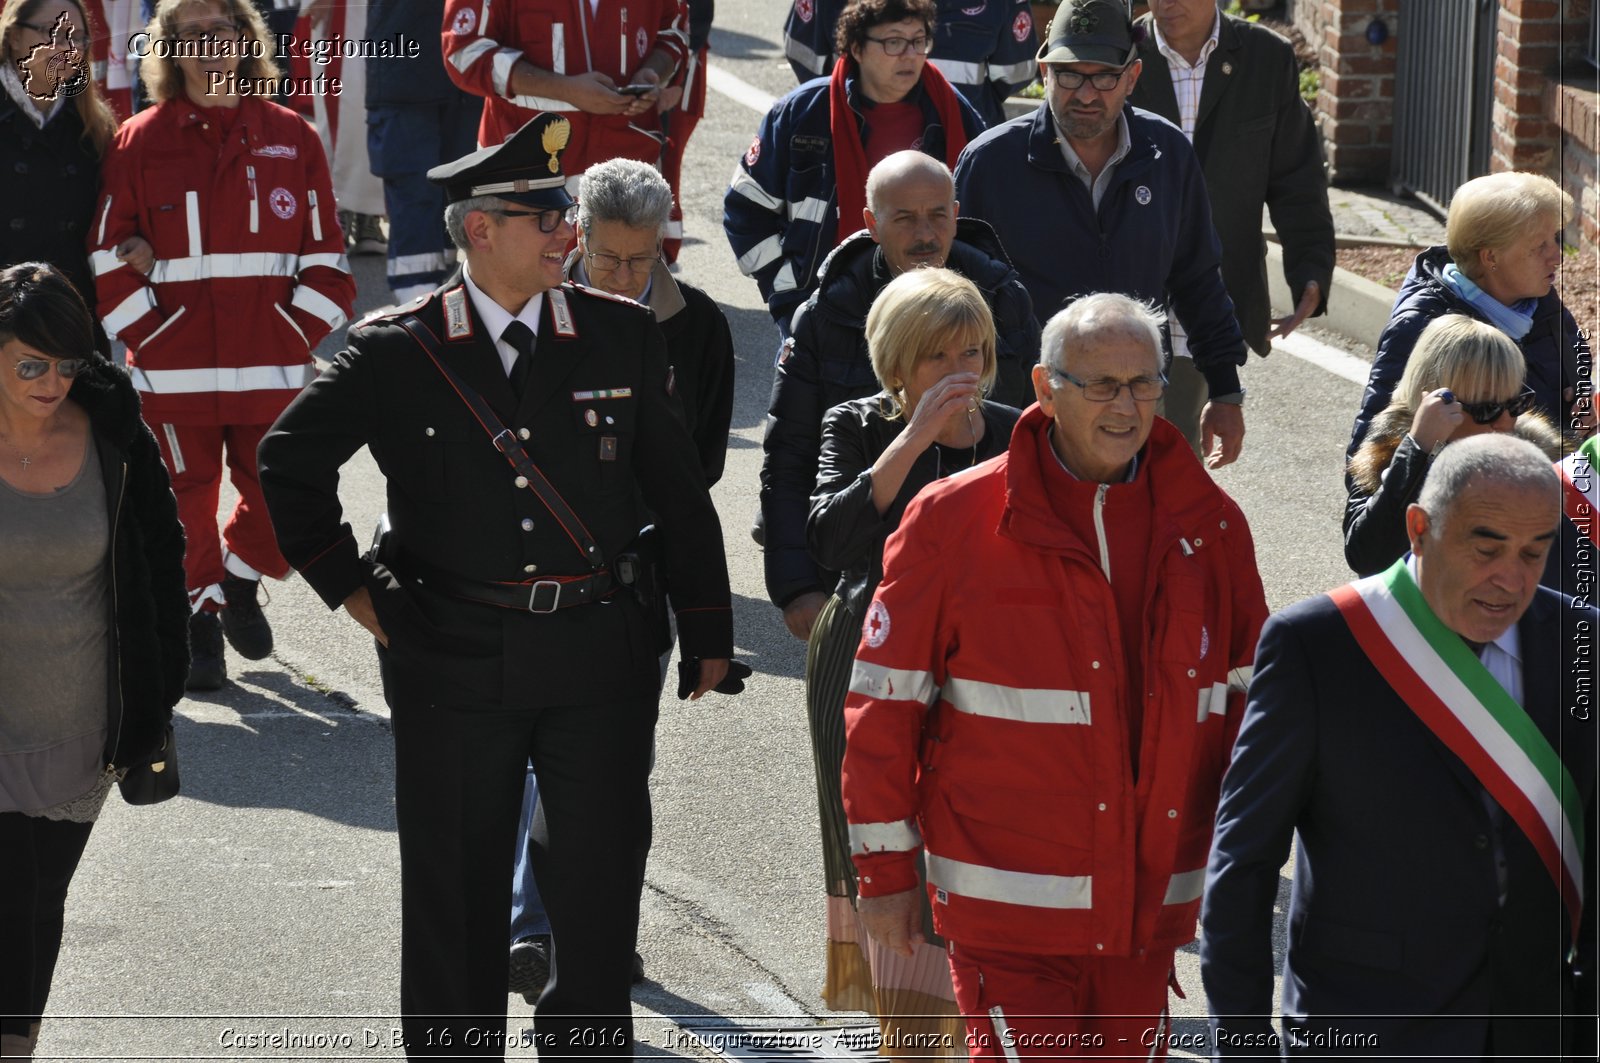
x,y
1358,309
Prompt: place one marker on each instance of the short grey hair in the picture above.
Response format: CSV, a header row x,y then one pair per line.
x,y
626,191
1099,316
455,217
900,165
1496,458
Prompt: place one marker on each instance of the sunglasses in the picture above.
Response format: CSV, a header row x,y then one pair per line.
x,y
1489,412
34,368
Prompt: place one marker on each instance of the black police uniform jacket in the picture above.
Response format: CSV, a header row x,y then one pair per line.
x,y
604,428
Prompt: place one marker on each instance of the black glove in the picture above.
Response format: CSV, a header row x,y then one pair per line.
x,y
689,678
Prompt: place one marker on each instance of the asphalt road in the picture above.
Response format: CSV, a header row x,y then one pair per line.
x,y
257,915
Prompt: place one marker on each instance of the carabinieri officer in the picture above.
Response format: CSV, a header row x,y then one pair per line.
x,y
497,600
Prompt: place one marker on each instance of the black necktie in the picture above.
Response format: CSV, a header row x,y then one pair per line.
x,y
521,337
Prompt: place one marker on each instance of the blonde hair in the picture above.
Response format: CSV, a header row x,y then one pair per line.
x,y
161,76
1490,213
99,123
918,314
1476,361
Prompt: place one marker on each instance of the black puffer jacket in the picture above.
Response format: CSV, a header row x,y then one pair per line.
x,y
827,363
1556,353
845,530
150,606
1386,476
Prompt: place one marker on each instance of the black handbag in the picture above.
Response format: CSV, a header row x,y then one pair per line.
x,y
154,779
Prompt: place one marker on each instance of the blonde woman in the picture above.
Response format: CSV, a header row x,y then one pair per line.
x,y
233,193
1464,378
1499,265
932,344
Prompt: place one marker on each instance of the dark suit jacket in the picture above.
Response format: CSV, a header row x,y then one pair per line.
x,y
1395,927
454,506
1258,145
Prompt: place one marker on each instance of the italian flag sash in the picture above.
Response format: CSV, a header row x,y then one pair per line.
x,y
1444,683
1580,493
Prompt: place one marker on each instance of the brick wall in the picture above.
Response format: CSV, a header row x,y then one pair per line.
x,y
1355,107
1534,36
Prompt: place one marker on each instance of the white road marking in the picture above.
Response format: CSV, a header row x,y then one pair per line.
x,y
1335,361
738,89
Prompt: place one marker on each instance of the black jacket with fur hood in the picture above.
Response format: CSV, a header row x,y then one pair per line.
x,y
149,658
1386,476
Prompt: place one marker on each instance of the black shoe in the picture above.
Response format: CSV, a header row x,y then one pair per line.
x,y
207,669
638,968
242,619
530,967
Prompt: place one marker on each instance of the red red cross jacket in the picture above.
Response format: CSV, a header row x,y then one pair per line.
x,y
250,271
482,41
986,720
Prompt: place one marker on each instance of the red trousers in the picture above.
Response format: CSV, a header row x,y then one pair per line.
x,y
1019,1006
194,455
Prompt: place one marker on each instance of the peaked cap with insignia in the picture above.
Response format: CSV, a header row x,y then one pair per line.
x,y
525,169
1089,31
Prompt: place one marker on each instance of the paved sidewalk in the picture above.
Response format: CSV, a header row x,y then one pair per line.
x,y
1375,212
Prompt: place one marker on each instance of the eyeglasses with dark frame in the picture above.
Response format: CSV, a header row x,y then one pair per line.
x,y
606,263
1489,412
549,220
34,368
896,46
1071,80
217,31
1143,389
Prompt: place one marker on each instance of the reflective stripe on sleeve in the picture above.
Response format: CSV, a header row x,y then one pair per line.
x,y
1010,887
763,254
810,209
900,837
469,55
330,259
959,73
500,66
803,55
292,323
784,281
891,684
316,304
1017,703
203,381
751,189
1239,678
1185,886
1213,701
1016,72
105,261
129,310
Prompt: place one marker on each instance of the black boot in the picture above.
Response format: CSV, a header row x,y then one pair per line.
x,y
242,619
207,669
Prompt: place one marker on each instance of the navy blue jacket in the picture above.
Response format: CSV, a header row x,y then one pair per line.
x,y
1396,927
984,48
781,212
1151,238
1556,352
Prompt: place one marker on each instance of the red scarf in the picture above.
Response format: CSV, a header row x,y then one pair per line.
x,y
850,157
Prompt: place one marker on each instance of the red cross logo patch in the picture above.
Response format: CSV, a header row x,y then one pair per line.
x,y
282,202
1022,25
876,628
805,9
465,22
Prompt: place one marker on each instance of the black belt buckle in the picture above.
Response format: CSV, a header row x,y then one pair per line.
x,y
554,589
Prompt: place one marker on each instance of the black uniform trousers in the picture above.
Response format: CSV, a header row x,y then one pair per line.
x,y
459,774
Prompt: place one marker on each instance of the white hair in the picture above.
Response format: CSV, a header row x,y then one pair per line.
x,y
1093,317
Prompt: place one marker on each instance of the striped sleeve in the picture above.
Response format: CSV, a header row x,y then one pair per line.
x,y
126,301
672,34
892,685
473,55
325,290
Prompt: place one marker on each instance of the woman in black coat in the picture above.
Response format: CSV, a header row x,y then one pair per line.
x,y
93,615
1502,256
53,131
932,343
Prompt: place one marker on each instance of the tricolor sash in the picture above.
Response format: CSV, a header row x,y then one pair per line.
x,y
1441,679
1580,494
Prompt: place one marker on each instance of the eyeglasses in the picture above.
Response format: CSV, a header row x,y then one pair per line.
x,y
217,31
1489,412
1143,389
1070,80
549,220
34,368
893,46
611,263
46,29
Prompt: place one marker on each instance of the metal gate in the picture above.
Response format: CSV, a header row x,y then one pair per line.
x,y
1443,96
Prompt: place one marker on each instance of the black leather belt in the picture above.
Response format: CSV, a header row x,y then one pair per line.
x,y
533,596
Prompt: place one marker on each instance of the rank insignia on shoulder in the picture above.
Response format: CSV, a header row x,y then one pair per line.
x,y
410,306
561,314
613,296
457,317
